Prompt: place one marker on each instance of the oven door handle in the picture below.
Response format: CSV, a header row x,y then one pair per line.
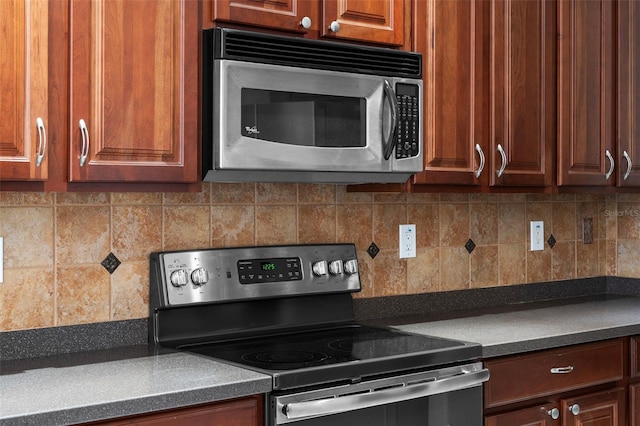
x,y
340,404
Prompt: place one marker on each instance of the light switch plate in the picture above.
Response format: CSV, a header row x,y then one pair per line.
x,y
407,241
537,235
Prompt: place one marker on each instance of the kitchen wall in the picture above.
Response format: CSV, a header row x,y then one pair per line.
x,y
55,242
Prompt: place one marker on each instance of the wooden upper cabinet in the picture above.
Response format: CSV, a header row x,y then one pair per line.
x,y
369,21
134,91
523,92
628,95
585,92
285,15
23,89
450,36
375,21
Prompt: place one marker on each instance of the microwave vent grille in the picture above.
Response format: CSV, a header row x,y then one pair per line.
x,y
305,53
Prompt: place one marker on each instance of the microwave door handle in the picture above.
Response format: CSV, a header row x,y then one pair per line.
x,y
391,96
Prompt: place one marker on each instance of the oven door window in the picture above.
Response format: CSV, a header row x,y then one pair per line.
x,y
304,119
456,408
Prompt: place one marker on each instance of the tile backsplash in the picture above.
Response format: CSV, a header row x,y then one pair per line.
x,y
55,242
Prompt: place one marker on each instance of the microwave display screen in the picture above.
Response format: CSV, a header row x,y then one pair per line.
x,y
305,119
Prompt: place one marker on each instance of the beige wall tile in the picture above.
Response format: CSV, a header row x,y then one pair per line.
x,y
423,271
454,268
276,193
512,260
483,223
26,199
365,270
426,217
231,193
317,224
512,227
316,194
83,294
564,221
82,234
186,227
386,220
137,231
276,225
586,259
563,260
484,266
354,224
454,224
28,236
233,226
345,197
538,264
130,291
389,274
628,259
127,198
27,299
67,198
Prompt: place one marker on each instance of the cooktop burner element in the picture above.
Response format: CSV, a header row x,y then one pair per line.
x,y
284,359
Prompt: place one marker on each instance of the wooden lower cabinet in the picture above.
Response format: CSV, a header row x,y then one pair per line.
x,y
238,412
579,385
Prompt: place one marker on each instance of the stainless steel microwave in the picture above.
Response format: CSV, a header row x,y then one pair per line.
x,y
286,109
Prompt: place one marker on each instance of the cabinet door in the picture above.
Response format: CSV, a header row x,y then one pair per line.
x,y
585,92
134,91
453,49
534,416
283,14
628,172
375,21
523,84
23,89
598,409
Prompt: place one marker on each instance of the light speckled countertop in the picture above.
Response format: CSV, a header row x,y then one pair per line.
x,y
527,329
67,394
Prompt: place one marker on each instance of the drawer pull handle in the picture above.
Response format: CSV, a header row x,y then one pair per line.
x,y
554,413
562,370
574,409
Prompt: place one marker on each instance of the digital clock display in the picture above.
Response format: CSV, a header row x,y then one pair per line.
x,y
268,266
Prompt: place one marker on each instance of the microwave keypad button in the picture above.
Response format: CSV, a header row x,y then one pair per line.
x,y
407,132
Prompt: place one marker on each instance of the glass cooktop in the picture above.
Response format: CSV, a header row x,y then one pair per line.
x,y
329,354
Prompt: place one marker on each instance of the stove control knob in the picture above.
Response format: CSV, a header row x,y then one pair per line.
x,y
179,278
200,276
335,267
319,268
351,266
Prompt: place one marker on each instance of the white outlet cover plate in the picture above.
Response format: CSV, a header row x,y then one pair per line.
x,y
407,240
537,235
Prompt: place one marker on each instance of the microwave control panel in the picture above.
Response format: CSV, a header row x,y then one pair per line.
x,y
408,130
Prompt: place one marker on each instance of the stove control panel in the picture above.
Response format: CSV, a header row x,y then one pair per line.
x,y
214,275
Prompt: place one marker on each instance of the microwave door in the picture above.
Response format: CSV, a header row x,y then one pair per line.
x,y
283,118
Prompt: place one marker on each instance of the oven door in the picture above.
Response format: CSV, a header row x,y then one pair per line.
x,y
446,397
280,118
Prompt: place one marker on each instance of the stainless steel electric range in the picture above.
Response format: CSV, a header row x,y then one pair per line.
x,y
287,311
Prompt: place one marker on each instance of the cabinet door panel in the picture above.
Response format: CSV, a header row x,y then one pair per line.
x,y
23,88
599,409
585,91
523,86
453,47
628,93
281,14
375,21
534,416
138,99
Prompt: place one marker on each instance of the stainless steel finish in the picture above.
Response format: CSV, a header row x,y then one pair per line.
x,y
612,164
554,413
241,158
305,22
340,399
351,266
574,409
319,268
84,152
504,160
334,27
204,276
480,168
391,97
562,370
42,141
629,165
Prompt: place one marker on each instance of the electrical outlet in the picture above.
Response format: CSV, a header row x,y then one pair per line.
x,y
1,259
407,241
537,235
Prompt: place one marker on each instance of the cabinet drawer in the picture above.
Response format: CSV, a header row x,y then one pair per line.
x,y
521,377
635,357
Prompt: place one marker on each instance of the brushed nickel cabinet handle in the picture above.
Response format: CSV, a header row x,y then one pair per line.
x,y
554,413
612,164
504,160
629,165
562,370
42,141
481,166
85,142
